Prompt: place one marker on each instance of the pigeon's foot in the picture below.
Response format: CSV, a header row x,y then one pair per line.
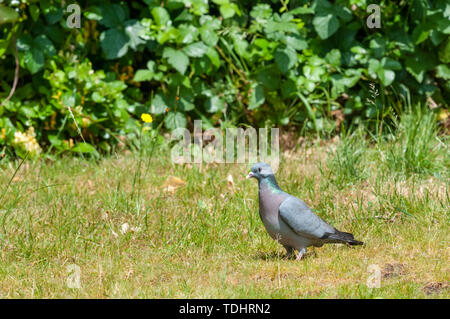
x,y
289,252
300,254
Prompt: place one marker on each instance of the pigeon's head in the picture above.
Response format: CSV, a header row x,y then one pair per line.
x,y
260,171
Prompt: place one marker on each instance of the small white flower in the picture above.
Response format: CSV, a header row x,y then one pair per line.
x,y
230,180
125,227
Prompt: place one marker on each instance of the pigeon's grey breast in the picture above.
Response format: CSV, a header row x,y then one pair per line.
x,y
269,205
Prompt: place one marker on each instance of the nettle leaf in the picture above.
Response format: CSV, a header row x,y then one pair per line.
x,y
296,42
177,59
114,43
113,15
158,105
134,29
44,44
33,51
261,12
143,75
33,60
214,104
186,99
326,25
313,73
196,50
256,96
209,36
286,58
227,9
175,120
240,45
378,46
415,67
281,24
187,33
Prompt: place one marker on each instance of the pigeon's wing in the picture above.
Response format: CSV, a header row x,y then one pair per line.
x,y
299,217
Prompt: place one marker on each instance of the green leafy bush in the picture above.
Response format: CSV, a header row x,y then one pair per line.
x,y
266,63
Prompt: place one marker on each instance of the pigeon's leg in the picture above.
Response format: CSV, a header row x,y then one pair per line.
x,y
289,251
300,254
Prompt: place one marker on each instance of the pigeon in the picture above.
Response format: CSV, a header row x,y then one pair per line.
x,y
289,220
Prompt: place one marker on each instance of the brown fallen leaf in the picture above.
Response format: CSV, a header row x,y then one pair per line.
x,y
172,183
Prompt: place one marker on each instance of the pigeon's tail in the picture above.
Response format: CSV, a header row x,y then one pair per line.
x,y
341,237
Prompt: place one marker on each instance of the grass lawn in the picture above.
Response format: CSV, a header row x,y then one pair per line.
x,y
204,238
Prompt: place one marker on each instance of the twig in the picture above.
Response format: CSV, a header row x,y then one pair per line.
x,y
16,74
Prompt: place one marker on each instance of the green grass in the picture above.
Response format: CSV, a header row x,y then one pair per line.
x,y
205,239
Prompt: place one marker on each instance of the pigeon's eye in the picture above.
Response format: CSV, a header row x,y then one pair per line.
x,y
259,169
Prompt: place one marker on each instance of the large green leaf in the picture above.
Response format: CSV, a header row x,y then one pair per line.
x,y
112,15
134,30
114,43
8,15
326,25
160,15
196,50
158,104
32,52
209,36
214,104
177,59
175,120
143,75
269,77
44,44
296,42
256,96
443,71
286,58
84,148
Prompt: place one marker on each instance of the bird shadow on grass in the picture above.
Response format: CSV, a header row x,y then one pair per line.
x,y
275,255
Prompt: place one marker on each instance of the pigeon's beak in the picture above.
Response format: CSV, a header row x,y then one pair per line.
x,y
249,175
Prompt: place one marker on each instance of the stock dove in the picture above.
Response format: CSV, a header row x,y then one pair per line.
x,y
289,220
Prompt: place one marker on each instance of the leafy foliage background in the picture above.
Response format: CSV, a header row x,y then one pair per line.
x,y
311,65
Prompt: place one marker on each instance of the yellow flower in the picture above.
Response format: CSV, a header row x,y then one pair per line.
x,y
147,118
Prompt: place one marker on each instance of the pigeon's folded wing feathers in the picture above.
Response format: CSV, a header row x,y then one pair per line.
x,y
299,217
